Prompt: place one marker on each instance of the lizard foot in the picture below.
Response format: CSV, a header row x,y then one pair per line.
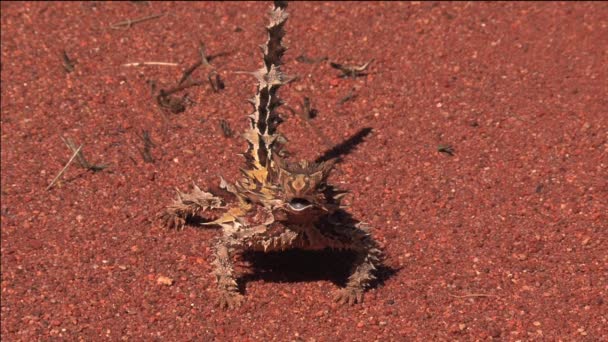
x,y
349,295
230,300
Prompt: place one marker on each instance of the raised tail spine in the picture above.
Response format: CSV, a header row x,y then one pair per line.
x,y
262,136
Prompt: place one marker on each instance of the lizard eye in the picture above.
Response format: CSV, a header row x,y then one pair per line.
x,y
299,204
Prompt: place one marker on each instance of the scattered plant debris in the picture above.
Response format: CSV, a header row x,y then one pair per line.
x,y
68,64
126,24
78,156
82,161
202,61
165,98
307,113
351,95
146,152
447,149
65,167
308,60
471,295
228,132
150,63
307,110
213,77
171,103
351,70
215,81
174,104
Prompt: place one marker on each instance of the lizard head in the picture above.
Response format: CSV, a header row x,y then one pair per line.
x,y
302,184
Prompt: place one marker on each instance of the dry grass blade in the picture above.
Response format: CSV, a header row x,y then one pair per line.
x,y
175,104
202,52
226,130
74,154
447,149
136,64
82,161
308,60
126,24
307,110
213,77
307,113
215,81
188,72
473,295
351,70
351,95
146,153
68,64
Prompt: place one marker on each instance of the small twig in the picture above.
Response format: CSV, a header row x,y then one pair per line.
x,y
203,60
351,70
213,77
65,167
448,149
152,85
189,72
146,153
137,64
180,87
474,295
307,114
351,95
215,81
176,105
202,52
307,109
124,25
68,64
305,59
82,161
228,133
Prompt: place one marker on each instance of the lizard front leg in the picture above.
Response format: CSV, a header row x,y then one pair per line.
x,y
356,238
186,205
368,257
229,296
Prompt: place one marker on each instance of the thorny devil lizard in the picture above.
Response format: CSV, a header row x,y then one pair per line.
x,y
278,204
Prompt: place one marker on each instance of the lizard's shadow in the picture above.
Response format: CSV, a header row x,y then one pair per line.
x,y
296,265
345,147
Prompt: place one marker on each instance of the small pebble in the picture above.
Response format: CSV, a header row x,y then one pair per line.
x,y
162,280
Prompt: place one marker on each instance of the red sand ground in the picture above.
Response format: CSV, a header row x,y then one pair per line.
x,y
506,239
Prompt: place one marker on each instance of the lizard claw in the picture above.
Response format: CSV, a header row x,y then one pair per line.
x,y
349,295
230,300
171,220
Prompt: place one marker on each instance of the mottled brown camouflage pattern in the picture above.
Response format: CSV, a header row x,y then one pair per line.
x,y
277,204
